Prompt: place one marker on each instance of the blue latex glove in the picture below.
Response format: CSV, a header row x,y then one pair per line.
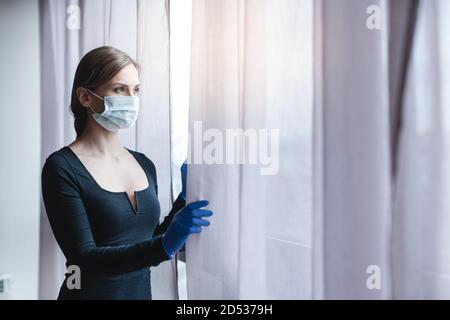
x,y
184,223
183,180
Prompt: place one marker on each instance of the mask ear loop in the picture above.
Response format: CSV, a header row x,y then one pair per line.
x,y
95,94
93,111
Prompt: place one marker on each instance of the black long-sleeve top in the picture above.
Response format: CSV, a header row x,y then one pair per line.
x,y
111,242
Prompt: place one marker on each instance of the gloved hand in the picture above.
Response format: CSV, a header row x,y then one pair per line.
x,y
183,180
185,222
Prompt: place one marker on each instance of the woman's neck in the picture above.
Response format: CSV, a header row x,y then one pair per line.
x,y
98,142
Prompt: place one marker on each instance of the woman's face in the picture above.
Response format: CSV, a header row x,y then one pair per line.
x,y
124,83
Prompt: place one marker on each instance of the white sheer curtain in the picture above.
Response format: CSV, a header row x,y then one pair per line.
x,y
69,30
252,69
315,228
422,220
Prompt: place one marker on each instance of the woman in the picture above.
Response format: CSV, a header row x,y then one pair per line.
x,y
101,198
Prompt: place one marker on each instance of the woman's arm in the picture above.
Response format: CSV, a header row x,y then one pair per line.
x,y
70,225
179,203
177,206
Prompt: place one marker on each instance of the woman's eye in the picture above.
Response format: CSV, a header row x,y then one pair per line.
x,y
136,90
119,90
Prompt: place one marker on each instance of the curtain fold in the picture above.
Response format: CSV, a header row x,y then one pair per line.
x,y
421,253
55,132
356,155
402,24
69,29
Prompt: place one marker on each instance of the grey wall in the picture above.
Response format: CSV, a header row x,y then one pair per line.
x,y
19,145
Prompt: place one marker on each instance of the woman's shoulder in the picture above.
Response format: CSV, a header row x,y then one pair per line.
x,y
58,161
145,160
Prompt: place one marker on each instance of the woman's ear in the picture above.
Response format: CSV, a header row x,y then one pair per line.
x,y
84,97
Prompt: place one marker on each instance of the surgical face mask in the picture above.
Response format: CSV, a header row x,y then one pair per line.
x,y
120,112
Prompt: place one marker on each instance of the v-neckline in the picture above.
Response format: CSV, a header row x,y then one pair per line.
x,y
136,192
